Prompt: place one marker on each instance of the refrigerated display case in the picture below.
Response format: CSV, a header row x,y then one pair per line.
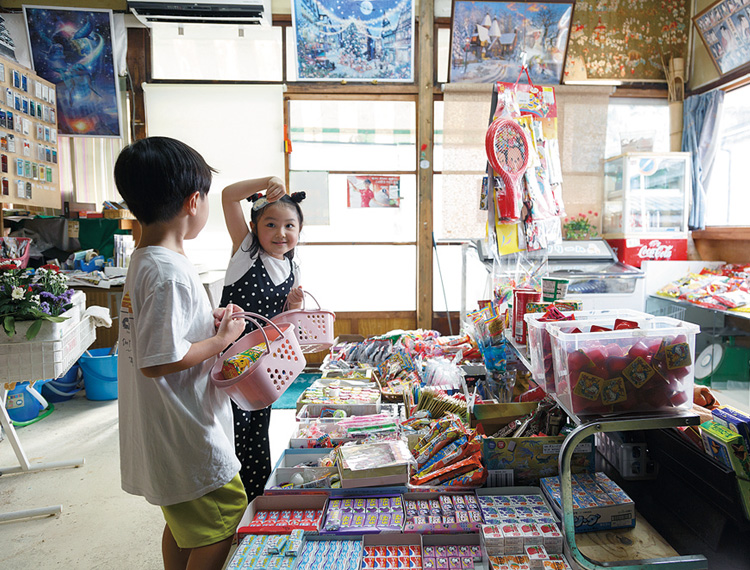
x,y
646,197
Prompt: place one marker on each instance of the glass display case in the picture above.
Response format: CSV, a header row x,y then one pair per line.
x,y
646,193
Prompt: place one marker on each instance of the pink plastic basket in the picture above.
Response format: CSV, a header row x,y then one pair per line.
x,y
313,328
23,244
264,381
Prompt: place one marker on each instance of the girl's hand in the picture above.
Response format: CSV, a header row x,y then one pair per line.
x,y
275,190
230,328
296,297
219,313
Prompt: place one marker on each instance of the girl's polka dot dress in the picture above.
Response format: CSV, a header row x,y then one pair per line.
x,y
255,292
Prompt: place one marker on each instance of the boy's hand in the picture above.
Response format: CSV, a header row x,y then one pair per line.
x,y
230,328
296,297
219,313
275,190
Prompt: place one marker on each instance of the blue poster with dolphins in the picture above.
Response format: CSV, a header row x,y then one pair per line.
x,y
73,49
354,40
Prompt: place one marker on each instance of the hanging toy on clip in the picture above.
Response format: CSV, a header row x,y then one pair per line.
x,y
508,153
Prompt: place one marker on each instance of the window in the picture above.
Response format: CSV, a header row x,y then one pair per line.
x,y
729,199
643,124
347,138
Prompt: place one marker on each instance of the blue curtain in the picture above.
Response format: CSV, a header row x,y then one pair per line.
x,y
701,115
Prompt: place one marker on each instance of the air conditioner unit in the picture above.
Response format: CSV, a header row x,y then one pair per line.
x,y
238,12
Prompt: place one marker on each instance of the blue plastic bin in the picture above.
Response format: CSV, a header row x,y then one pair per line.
x,y
64,388
99,374
24,402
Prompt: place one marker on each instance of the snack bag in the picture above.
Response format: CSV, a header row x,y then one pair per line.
x,y
236,365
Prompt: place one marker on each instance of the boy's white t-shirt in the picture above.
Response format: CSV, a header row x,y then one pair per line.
x,y
241,262
176,431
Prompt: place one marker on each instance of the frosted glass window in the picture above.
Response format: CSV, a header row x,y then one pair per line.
x,y
443,50
637,120
375,136
366,224
223,52
346,277
447,272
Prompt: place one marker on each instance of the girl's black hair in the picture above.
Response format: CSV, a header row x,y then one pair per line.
x,y
292,201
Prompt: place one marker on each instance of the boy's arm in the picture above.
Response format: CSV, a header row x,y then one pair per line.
x,y
231,203
230,330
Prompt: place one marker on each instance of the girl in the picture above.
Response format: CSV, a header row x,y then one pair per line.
x,y
260,278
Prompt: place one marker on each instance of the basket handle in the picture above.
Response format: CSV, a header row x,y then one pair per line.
x,y
286,303
247,315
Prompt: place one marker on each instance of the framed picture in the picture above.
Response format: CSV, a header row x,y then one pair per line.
x,y
72,48
355,41
724,28
490,41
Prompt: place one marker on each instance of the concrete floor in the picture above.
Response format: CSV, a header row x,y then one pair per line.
x,y
101,526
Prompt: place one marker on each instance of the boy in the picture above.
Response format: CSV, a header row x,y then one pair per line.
x,y
176,433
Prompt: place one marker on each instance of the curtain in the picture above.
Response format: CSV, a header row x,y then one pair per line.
x,y
701,118
87,169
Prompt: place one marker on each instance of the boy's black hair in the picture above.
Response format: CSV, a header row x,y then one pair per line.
x,y
156,174
291,201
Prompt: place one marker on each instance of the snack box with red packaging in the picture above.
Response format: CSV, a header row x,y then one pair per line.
x,y
282,514
615,366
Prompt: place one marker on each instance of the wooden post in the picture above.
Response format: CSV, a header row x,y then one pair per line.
x,y
425,137
139,68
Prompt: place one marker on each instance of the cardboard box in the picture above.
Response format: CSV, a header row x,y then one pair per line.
x,y
496,416
281,503
726,446
285,468
524,460
598,503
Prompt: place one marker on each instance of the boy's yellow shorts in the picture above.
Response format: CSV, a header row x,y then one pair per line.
x,y
208,519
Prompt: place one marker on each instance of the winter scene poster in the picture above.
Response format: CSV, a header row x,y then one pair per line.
x,y
490,41
362,40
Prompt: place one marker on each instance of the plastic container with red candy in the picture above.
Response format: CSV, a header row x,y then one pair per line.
x,y
616,365
540,345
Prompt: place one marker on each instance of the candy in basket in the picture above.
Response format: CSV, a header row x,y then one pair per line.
x,y
257,369
313,328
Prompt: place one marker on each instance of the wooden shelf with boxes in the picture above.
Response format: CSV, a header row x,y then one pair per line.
x,y
28,138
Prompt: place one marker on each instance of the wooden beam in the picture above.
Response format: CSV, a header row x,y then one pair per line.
x,y
425,139
139,70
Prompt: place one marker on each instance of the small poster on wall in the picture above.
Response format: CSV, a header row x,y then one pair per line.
x,y
72,48
354,40
373,191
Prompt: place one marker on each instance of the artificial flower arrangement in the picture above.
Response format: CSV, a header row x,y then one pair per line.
x,y
29,295
580,227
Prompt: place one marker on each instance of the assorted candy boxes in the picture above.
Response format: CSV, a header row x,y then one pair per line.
x,y
617,365
364,515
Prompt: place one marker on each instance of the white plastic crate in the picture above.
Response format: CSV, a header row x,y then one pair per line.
x,y
50,330
43,359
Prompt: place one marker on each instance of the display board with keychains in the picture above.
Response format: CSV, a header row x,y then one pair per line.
x,y
28,138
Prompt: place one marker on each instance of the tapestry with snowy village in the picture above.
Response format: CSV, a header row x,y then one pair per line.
x,y
490,41
362,40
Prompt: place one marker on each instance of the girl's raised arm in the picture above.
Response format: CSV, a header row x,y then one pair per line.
x,y
231,202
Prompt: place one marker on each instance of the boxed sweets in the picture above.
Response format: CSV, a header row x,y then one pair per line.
x,y
260,551
598,502
726,446
364,515
515,508
272,522
337,554
623,366
441,513
734,420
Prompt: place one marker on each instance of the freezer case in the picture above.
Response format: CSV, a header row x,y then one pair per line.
x,y
596,276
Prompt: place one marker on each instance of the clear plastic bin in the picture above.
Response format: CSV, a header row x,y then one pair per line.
x,y
540,346
648,369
